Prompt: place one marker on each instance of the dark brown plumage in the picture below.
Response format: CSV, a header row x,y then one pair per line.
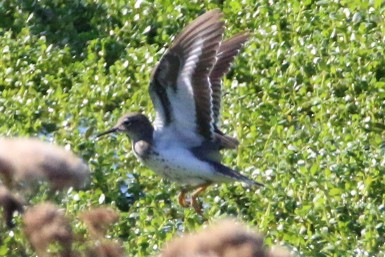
x,y
183,59
226,54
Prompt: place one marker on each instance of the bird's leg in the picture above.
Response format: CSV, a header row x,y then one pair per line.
x,y
194,197
182,198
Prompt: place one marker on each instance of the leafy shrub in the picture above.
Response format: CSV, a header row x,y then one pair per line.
x,y
306,97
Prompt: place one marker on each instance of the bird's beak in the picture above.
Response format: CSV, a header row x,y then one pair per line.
x,y
107,132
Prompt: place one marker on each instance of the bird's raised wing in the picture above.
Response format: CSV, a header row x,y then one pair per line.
x,y
226,54
180,87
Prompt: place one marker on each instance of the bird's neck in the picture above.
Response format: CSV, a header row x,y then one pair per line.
x,y
145,134
142,143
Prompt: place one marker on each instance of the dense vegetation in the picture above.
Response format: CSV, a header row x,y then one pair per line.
x,y
306,98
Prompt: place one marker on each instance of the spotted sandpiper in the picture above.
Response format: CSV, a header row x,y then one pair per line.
x,y
184,144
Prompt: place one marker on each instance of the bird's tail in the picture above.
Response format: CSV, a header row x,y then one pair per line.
x,y
235,175
246,180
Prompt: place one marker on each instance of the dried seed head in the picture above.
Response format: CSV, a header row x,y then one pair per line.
x,y
10,205
98,220
106,249
44,224
224,239
24,160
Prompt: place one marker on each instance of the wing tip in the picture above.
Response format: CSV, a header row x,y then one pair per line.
x,y
253,183
234,175
215,11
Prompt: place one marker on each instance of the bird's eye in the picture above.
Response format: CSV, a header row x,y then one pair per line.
x,y
127,122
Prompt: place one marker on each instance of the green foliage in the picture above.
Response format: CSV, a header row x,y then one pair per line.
x,y
306,98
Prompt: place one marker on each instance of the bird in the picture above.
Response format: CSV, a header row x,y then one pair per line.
x,y
184,144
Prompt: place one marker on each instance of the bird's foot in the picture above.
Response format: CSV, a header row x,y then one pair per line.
x,y
182,199
194,198
197,205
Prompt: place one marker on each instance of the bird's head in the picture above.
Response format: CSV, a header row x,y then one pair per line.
x,y
135,125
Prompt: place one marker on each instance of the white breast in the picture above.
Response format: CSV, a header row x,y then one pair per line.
x,y
180,165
